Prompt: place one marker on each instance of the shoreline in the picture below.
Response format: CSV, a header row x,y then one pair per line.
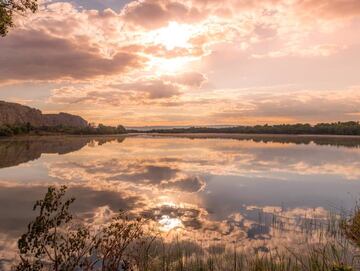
x,y
24,136
188,135
242,135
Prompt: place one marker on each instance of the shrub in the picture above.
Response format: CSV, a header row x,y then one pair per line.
x,y
6,131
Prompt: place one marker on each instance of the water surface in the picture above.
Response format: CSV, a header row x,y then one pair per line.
x,y
210,189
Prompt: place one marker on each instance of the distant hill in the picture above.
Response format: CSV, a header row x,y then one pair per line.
x,y
15,114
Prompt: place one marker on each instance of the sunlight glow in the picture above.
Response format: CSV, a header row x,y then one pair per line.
x,y
173,36
163,65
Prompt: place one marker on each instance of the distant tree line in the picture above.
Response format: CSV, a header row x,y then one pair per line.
x,y
336,128
25,129
17,129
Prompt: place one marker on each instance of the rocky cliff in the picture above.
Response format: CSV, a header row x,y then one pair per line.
x,y
12,113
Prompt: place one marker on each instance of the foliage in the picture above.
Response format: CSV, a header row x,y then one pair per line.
x,y
8,8
21,129
52,242
101,130
336,128
115,241
351,228
18,129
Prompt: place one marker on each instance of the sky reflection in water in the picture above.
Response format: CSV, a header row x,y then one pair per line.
x,y
204,189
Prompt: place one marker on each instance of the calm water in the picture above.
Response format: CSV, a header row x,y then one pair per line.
x,y
205,189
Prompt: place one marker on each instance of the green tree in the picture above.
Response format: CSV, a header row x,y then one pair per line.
x,y
8,8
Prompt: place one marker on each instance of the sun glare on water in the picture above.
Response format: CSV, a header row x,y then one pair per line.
x,y
167,223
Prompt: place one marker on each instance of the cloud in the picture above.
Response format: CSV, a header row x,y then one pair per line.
x,y
163,177
330,9
156,89
152,14
87,200
35,55
220,45
63,42
187,184
193,79
148,175
138,91
151,174
299,106
115,95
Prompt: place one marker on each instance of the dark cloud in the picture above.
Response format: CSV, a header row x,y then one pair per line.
x,y
149,174
152,14
187,184
144,173
35,55
100,4
193,79
138,91
156,89
16,204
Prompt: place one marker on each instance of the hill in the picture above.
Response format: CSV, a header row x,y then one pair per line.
x,y
17,114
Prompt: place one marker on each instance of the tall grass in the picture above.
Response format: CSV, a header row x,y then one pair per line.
x,y
335,248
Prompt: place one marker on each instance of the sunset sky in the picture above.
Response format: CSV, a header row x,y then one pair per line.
x,y
192,62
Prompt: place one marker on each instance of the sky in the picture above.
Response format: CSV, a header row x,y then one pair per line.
x,y
189,62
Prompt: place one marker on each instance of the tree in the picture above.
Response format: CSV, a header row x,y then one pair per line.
x,y
52,242
8,8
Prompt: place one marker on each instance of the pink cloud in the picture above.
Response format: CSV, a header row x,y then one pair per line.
x,y
193,79
35,55
155,89
330,9
157,13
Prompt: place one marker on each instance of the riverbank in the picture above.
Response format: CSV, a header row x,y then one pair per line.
x,y
244,136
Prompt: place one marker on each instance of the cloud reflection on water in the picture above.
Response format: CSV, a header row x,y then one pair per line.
x,y
215,191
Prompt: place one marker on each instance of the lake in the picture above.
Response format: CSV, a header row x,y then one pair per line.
x,y
204,188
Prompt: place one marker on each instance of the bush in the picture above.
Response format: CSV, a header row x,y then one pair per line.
x,y
53,243
6,131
